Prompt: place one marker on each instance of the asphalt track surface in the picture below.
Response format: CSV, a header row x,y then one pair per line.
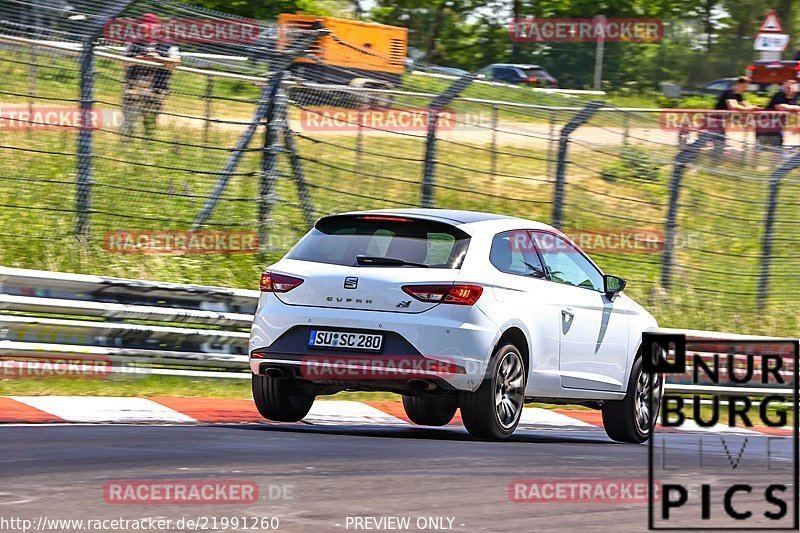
x,y
59,471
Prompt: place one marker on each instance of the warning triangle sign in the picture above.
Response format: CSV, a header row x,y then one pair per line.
x,y
771,24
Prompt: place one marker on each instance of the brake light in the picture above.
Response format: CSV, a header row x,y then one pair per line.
x,y
272,282
797,67
384,218
447,294
532,80
751,67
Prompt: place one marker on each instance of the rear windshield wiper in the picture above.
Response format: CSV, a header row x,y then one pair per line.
x,y
386,261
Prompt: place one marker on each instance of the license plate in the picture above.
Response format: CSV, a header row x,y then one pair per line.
x,y
345,340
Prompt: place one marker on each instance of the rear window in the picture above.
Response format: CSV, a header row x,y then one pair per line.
x,y
536,73
339,240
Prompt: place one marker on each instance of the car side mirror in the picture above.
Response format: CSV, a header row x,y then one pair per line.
x,y
613,285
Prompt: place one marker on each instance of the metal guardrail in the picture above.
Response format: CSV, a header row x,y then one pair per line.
x,y
130,322
173,329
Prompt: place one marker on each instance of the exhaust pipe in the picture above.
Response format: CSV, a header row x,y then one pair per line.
x,y
420,384
273,372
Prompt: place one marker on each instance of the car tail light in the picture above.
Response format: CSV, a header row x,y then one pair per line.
x,y
751,67
553,82
797,67
532,80
458,294
272,282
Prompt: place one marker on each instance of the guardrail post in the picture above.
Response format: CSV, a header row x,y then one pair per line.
x,y
297,49
769,223
684,157
577,121
436,105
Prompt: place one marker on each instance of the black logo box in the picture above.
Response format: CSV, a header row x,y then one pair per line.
x,y
665,353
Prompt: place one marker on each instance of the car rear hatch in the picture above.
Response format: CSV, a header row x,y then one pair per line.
x,y
365,261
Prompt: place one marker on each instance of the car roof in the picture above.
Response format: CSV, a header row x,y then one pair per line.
x,y
454,217
517,65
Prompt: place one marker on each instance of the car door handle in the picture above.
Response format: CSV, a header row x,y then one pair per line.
x,y
567,313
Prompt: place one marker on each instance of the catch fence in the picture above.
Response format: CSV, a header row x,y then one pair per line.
x,y
256,137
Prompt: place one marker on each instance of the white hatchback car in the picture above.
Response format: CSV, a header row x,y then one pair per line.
x,y
451,309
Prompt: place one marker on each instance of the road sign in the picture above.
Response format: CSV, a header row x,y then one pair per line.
x,y
771,23
771,42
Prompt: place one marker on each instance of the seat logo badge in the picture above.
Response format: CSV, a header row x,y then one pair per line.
x,y
404,303
350,283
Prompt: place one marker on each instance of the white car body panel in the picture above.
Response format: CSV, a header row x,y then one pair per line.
x,y
587,359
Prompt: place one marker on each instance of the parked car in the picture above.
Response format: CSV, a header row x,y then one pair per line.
x,y
513,73
717,87
774,72
451,71
451,309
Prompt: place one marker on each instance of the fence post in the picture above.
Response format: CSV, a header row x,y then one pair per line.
x,y
207,96
83,201
551,139
360,134
769,223
32,74
626,126
298,175
684,157
579,119
269,160
493,153
298,48
436,105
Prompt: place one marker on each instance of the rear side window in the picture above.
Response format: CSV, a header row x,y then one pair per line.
x,y
340,240
513,252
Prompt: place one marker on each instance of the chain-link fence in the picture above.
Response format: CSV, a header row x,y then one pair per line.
x,y
243,132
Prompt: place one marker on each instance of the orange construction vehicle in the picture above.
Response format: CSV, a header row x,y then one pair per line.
x,y
351,52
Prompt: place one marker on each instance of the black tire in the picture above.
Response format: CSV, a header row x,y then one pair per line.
x,y
480,409
624,420
434,412
279,399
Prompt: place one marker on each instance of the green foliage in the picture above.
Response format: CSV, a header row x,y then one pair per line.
x,y
634,163
704,39
258,9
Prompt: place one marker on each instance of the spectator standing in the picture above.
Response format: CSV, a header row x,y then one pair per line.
x,y
146,87
769,131
731,99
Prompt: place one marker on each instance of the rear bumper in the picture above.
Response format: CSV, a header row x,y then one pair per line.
x,y
450,343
